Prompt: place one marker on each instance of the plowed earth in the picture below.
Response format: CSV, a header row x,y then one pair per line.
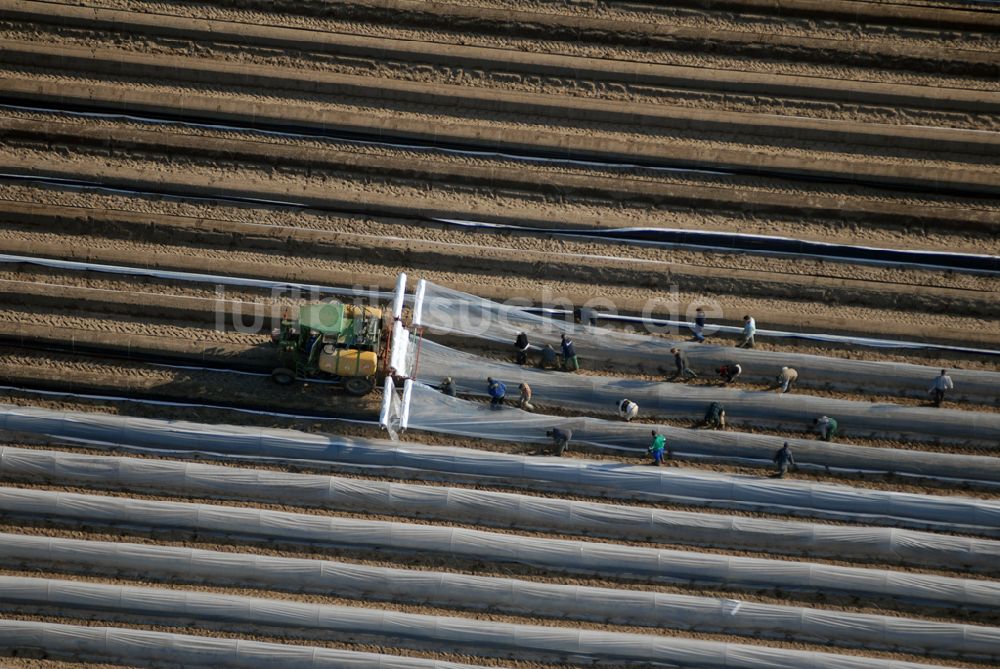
x,y
341,143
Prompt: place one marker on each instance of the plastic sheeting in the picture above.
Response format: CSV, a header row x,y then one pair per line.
x,y
556,554
444,633
506,509
433,411
617,606
215,279
448,311
693,487
128,646
678,400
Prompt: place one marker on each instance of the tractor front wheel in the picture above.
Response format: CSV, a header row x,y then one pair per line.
x,y
358,385
283,376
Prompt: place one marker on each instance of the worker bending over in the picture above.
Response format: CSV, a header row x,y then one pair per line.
x,y
560,439
627,410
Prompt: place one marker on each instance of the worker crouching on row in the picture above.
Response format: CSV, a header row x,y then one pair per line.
x,y
497,392
560,439
715,417
627,410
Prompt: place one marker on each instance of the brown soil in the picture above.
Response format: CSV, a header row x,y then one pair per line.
x,y
888,109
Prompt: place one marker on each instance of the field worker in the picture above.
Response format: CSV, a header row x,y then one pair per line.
x,y
699,325
497,391
715,417
627,410
521,348
548,358
680,361
570,361
782,459
729,372
656,448
787,378
749,329
585,316
525,401
826,426
560,439
940,385
448,386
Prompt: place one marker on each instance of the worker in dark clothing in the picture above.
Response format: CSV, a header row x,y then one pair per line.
x,y
497,391
656,448
548,359
715,417
782,460
570,362
585,316
448,386
560,439
680,360
521,348
699,325
729,372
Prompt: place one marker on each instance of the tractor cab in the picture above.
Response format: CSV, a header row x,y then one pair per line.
x,y
333,341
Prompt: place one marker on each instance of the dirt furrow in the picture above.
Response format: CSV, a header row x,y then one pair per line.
x,y
652,295
721,39
435,63
853,123
890,156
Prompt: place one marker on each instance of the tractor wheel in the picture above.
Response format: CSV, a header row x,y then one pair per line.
x,y
358,385
283,376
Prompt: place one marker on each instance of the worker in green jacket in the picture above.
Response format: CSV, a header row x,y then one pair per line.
x,y
656,448
826,426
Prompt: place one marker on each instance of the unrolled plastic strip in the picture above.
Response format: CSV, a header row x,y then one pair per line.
x,y
128,646
433,411
610,605
451,633
683,486
790,411
558,554
455,312
467,506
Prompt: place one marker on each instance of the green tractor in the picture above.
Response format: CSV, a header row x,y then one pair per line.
x,y
342,343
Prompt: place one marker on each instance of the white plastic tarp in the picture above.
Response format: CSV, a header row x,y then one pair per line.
x,y
677,400
448,311
659,565
143,647
696,487
505,509
433,411
461,634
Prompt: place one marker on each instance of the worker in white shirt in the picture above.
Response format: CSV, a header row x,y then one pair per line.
x,y
941,383
749,328
627,410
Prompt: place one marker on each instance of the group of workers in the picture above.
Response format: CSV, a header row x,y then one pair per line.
x,y
548,358
628,410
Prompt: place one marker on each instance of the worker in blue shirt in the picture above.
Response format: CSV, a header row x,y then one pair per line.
x,y
497,391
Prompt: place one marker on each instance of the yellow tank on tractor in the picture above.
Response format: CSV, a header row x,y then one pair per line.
x,y
341,343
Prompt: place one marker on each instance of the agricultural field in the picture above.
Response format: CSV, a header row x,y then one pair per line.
x,y
176,176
